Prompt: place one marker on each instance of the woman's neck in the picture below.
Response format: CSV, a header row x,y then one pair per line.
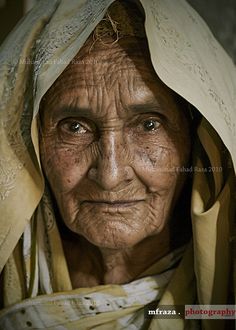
x,y
90,266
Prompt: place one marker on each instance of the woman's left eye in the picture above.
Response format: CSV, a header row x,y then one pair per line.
x,y
151,125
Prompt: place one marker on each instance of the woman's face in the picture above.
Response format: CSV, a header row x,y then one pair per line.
x,y
113,138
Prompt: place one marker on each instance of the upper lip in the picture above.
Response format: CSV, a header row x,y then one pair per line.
x,y
123,201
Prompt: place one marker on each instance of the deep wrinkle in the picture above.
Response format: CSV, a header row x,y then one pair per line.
x,y
113,179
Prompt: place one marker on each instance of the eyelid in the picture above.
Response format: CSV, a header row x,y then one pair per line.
x,y
148,115
84,122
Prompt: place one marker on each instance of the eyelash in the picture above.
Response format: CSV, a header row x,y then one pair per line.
x,y
153,121
76,123
145,124
66,124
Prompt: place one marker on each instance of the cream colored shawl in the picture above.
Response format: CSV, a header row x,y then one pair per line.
x,y
189,60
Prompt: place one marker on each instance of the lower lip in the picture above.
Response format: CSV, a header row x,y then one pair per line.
x,y
113,206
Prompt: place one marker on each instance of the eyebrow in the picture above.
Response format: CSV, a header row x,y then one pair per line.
x,y
149,106
71,111
146,107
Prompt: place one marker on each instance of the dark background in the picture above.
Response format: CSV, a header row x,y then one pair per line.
x,y
220,16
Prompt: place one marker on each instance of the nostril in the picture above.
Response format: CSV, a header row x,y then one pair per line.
x,y
92,173
129,173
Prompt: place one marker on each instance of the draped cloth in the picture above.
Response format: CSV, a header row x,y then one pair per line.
x,y
188,59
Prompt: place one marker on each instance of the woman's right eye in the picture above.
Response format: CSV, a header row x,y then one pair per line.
x,y
75,127
77,131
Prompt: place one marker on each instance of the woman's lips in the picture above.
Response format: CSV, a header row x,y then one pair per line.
x,y
115,204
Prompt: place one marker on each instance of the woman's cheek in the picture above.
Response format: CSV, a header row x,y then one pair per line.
x,y
157,166
56,162
67,167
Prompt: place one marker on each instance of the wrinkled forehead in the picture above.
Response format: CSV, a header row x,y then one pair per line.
x,y
101,61
118,40
112,81
115,55
123,69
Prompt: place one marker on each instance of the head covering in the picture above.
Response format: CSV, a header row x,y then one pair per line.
x,y
188,59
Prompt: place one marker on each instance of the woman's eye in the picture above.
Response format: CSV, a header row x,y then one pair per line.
x,y
76,127
77,130
73,127
151,125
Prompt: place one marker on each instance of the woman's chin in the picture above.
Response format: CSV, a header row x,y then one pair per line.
x,y
113,238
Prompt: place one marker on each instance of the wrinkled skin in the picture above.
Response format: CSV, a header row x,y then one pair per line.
x,y
112,136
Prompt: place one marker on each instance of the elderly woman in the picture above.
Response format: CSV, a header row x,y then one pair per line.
x,y
108,129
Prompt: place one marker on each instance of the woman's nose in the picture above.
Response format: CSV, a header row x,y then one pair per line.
x,y
113,167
